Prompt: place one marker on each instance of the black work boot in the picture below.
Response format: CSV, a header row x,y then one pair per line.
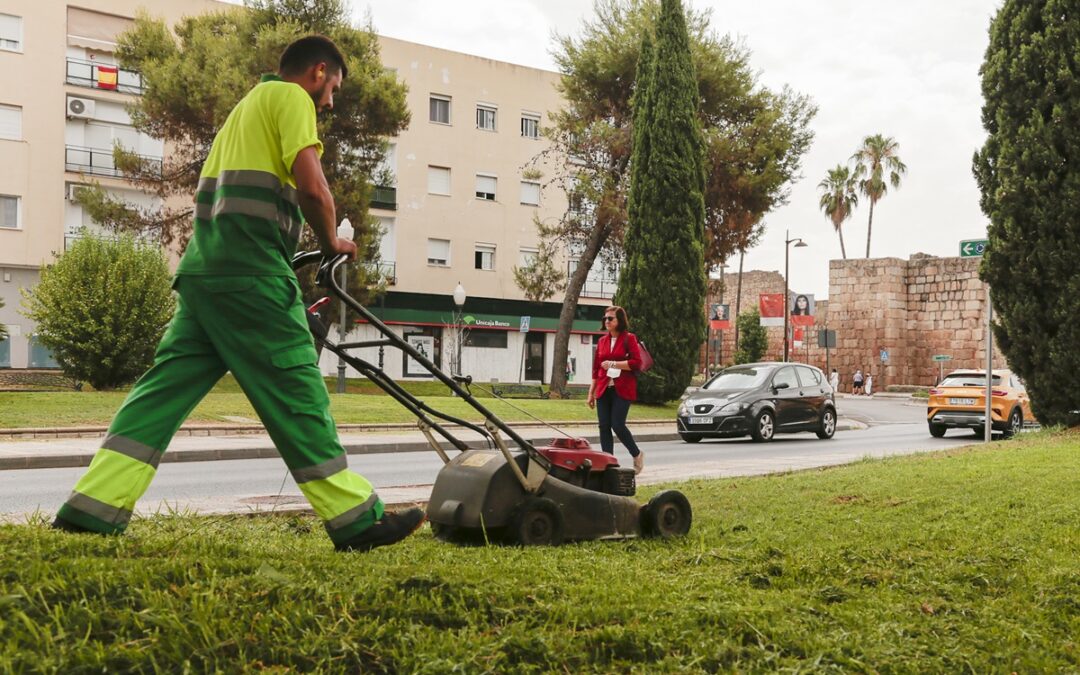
x,y
390,529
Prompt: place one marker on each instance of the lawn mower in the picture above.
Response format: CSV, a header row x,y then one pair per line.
x,y
565,491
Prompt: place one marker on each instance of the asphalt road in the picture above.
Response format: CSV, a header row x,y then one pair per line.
x,y
233,483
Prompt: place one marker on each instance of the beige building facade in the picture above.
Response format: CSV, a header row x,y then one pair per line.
x,y
458,207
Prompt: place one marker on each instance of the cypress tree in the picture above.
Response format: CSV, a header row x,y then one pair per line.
x,y
662,285
1030,181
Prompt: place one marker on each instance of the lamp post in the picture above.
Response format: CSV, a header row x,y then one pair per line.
x,y
459,302
344,231
799,243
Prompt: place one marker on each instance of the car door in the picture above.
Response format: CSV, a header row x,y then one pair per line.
x,y
812,392
786,398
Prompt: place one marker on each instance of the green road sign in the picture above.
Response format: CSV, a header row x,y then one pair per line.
x,y
973,248
941,357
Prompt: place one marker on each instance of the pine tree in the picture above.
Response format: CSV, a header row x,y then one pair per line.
x,y
1030,185
662,285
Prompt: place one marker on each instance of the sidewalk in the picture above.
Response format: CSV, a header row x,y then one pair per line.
x,y
75,452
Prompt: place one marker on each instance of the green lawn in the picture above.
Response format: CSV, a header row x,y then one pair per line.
x,y
359,405
964,561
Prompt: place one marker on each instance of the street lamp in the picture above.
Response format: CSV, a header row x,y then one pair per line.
x,y
799,243
459,302
344,231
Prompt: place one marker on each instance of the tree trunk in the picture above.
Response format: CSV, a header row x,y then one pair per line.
x,y
840,231
869,226
738,301
597,237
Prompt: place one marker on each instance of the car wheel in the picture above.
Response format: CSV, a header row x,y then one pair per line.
x,y
538,522
828,424
667,515
690,438
937,430
1016,423
764,427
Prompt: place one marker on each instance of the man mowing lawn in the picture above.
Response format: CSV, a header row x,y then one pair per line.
x,y
240,310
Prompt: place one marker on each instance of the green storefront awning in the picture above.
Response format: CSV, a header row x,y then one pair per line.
x,y
478,321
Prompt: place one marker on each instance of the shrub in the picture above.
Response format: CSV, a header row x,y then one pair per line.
x,y
753,339
102,307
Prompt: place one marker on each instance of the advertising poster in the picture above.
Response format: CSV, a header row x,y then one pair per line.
x,y
802,309
719,316
771,308
425,344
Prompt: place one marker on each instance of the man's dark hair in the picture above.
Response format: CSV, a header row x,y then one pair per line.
x,y
309,51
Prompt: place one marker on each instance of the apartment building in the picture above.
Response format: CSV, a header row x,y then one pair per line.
x,y
458,212
62,107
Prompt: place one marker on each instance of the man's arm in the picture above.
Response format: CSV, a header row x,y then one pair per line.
x,y
317,204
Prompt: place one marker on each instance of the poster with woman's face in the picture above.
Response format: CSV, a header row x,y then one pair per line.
x,y
802,308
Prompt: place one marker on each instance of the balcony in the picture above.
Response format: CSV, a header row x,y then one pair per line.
x,y
384,198
88,74
604,287
387,269
98,162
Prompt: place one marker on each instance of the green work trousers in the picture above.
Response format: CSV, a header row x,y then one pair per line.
x,y
254,327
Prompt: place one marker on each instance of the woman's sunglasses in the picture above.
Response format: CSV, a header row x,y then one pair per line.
x,y
609,318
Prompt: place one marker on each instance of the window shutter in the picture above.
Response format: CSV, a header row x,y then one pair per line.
x,y
10,122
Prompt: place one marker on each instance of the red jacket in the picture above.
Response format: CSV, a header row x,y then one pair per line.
x,y
626,349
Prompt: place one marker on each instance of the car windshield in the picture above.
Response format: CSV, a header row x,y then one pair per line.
x,y
969,380
740,378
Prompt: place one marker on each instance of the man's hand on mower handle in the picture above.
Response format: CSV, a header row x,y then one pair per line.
x,y
342,246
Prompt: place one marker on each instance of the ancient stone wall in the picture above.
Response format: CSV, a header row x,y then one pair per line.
x,y
912,309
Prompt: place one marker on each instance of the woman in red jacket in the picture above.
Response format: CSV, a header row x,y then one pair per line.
x,y
614,383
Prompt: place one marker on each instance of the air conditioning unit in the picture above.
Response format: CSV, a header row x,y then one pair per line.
x,y
82,108
72,191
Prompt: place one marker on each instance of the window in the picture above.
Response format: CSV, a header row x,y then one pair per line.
x,y
485,256
530,126
11,122
485,187
487,339
786,376
438,180
809,376
526,257
439,109
9,212
530,193
485,117
438,252
11,33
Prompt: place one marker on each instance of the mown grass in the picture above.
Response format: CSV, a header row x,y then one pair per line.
x,y
964,561
359,405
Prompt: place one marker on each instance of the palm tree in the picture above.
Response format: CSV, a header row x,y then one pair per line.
x,y
876,156
838,198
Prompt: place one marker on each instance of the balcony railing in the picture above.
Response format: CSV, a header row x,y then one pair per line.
x,y
594,288
386,269
384,198
99,162
87,74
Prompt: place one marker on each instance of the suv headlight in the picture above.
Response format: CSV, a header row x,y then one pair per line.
x,y
684,409
732,408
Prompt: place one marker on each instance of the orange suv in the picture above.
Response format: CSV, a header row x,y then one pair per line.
x,y
959,402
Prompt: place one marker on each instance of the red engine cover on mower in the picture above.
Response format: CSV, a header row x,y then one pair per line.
x,y
572,453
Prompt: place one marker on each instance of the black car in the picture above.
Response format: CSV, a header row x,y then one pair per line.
x,y
760,400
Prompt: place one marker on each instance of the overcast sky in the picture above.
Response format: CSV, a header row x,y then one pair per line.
x,y
907,70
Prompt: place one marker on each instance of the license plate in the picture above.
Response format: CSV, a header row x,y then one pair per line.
x,y
700,420
961,401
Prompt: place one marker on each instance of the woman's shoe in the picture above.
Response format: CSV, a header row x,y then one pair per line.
x,y
639,463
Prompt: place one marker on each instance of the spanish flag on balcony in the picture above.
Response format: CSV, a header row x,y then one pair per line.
x,y
106,77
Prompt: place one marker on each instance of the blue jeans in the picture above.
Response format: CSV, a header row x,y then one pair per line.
x,y
611,411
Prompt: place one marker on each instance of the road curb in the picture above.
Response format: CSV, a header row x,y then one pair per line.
x,y
32,460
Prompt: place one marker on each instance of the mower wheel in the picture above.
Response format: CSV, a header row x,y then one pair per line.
x,y
442,532
667,515
538,522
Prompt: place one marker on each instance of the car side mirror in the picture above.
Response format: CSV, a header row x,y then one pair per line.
x,y
780,385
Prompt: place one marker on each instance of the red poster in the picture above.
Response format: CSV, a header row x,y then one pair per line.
x,y
771,307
